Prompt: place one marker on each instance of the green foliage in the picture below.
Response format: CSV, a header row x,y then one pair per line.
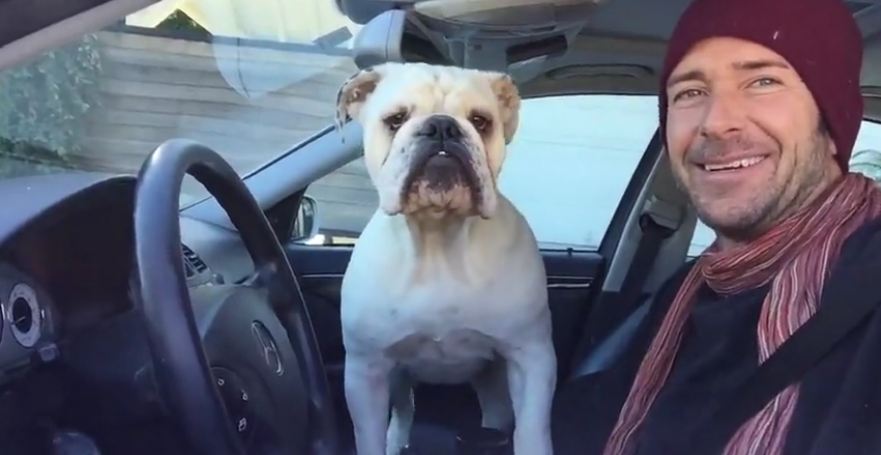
x,y
178,21
43,103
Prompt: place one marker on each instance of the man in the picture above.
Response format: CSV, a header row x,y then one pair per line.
x,y
760,107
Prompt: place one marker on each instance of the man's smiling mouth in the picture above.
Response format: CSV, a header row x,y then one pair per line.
x,y
733,165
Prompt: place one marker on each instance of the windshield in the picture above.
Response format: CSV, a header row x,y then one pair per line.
x,y
248,79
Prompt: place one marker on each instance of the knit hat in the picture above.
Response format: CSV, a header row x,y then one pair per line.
x,y
819,38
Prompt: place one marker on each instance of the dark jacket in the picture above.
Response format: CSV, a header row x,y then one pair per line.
x,y
839,406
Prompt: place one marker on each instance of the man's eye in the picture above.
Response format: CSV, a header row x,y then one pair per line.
x,y
395,121
765,82
480,122
687,94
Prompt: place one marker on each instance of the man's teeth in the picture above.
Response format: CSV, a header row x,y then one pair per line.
x,y
746,162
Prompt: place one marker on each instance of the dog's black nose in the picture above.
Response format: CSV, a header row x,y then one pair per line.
x,y
441,128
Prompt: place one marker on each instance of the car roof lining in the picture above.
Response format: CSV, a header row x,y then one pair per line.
x,y
621,52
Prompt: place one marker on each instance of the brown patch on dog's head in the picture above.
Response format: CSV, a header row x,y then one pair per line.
x,y
353,93
509,104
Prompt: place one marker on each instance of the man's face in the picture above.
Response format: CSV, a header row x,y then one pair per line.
x,y
745,137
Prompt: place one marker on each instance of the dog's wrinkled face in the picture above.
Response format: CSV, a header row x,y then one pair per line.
x,y
434,136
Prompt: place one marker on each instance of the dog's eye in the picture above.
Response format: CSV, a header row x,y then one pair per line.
x,y
395,121
480,122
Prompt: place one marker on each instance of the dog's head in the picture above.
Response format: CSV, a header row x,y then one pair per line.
x,y
434,136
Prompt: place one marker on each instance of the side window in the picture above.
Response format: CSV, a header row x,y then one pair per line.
x,y
866,159
566,170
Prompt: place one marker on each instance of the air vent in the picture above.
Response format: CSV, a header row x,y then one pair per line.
x,y
192,262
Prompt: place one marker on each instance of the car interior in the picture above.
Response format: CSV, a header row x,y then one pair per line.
x,y
129,319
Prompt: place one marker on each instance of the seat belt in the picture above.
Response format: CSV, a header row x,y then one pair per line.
x,y
848,302
658,222
655,229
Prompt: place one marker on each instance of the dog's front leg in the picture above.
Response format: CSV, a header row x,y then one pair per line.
x,y
494,396
398,435
532,376
366,383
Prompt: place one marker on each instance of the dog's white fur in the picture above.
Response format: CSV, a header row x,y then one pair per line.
x,y
443,287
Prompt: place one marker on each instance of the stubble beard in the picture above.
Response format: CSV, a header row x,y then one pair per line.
x,y
778,200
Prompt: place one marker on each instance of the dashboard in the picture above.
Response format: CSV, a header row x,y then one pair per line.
x,y
74,356
66,258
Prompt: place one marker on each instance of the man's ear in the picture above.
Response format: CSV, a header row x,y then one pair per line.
x,y
353,94
509,103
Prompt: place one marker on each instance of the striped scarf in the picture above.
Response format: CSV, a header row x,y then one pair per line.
x,y
795,258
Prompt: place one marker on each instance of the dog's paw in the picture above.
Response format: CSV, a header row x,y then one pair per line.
x,y
397,443
395,449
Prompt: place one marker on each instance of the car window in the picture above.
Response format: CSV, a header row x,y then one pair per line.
x,y
566,170
866,160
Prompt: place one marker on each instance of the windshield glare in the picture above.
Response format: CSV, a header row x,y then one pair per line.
x,y
248,79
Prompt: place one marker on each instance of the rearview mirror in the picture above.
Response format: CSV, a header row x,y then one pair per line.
x,y
306,224
379,40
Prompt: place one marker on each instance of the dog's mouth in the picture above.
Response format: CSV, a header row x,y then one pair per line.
x,y
442,177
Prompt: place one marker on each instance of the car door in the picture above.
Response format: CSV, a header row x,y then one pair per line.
x,y
568,170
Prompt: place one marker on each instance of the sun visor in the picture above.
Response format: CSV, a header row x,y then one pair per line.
x,y
484,34
362,11
507,14
508,35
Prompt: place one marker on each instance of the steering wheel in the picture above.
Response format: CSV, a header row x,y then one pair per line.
x,y
237,366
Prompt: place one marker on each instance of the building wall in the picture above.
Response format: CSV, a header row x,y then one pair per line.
x,y
247,102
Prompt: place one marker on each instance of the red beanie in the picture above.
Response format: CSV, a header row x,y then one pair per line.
x,y
819,38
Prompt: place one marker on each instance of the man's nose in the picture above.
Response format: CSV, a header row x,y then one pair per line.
x,y
725,115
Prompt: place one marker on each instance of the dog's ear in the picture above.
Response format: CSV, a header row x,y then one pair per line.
x,y
509,103
353,93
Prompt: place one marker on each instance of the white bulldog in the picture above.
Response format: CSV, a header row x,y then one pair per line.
x,y
446,283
